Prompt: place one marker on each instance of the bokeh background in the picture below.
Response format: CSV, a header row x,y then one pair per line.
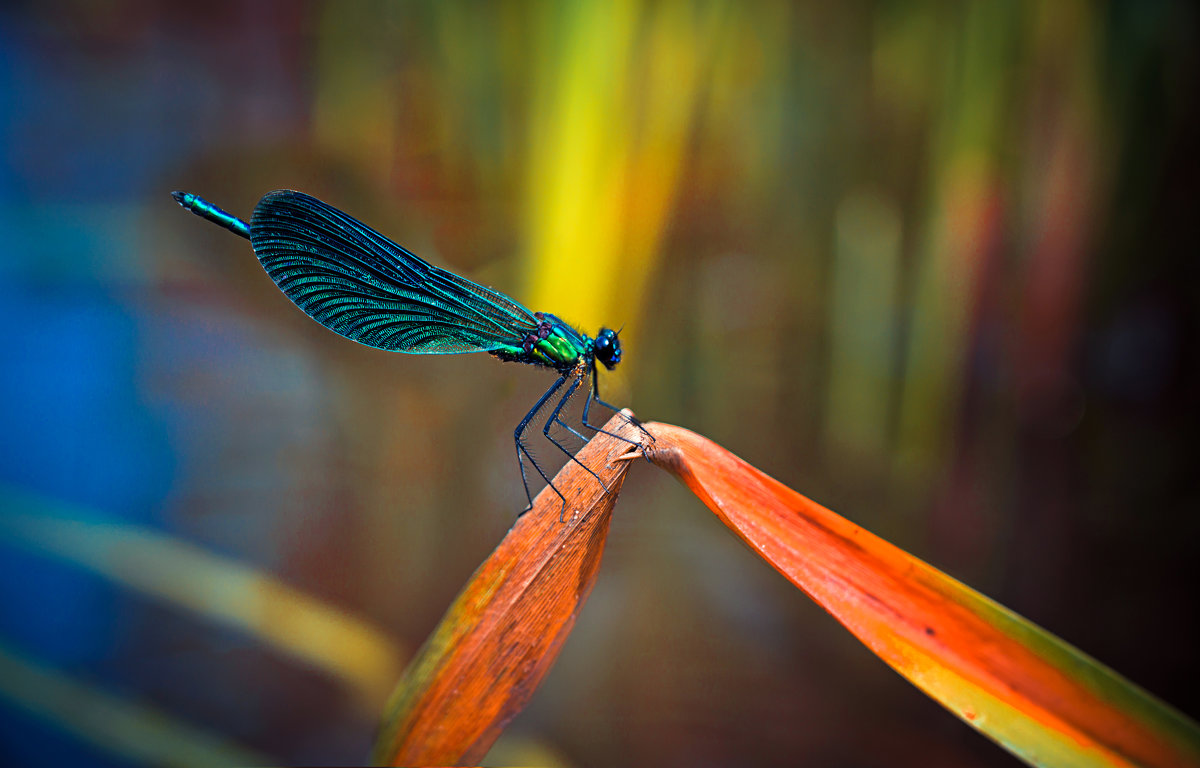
x,y
932,264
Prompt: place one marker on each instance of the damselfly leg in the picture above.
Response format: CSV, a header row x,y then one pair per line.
x,y
522,449
594,396
552,419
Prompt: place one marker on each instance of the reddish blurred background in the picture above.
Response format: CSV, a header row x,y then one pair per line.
x,y
926,263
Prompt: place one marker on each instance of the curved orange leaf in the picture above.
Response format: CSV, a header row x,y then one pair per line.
x,y
1039,697
505,629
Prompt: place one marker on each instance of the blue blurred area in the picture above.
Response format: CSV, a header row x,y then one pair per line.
x,y
77,148
79,433
29,740
72,395
62,103
78,430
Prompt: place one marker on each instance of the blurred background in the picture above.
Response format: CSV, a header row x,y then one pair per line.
x,y
927,263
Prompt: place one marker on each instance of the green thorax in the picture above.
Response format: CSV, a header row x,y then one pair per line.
x,y
554,344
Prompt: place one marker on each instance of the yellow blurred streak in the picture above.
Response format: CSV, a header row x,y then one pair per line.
x,y
131,731
211,585
610,126
576,165
681,45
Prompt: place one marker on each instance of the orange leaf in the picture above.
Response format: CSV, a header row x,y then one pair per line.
x,y
503,632
1039,697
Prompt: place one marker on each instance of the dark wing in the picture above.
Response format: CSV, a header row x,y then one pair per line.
x,y
356,282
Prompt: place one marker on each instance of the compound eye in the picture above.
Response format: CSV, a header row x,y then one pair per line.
x,y
608,348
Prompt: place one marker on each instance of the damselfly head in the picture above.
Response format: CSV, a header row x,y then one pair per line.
x,y
608,348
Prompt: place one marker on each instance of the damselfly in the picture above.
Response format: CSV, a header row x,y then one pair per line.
x,y
361,285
